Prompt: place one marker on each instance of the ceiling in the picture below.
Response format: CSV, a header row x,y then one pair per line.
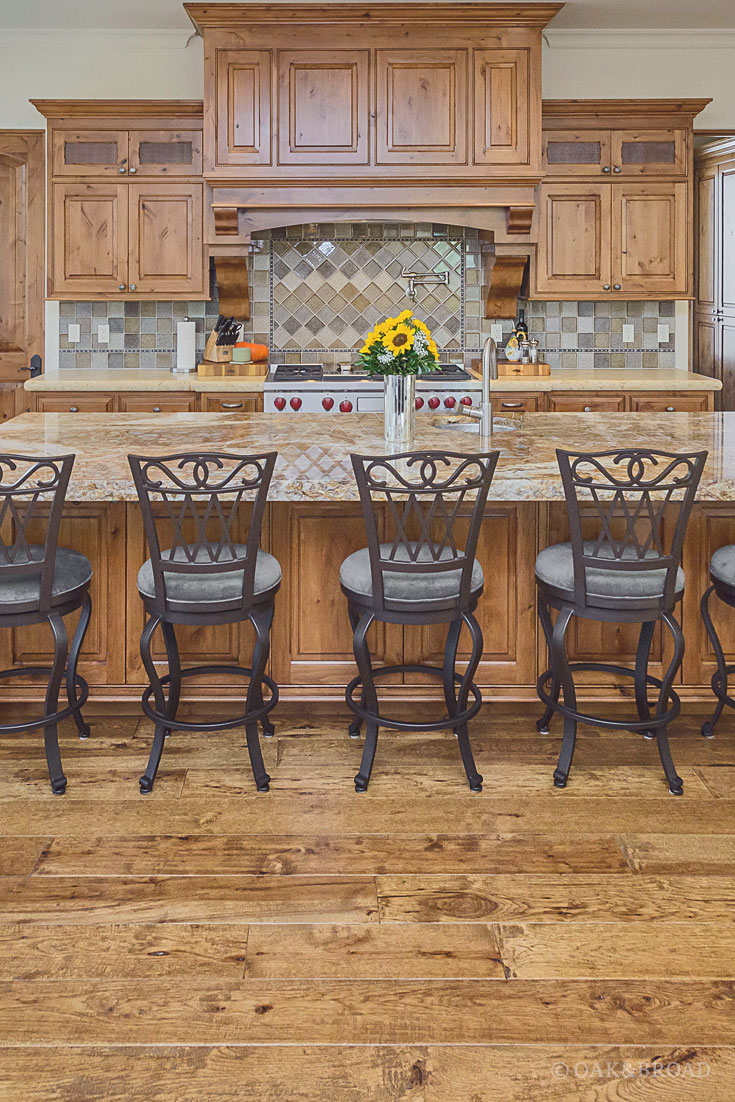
x,y
169,14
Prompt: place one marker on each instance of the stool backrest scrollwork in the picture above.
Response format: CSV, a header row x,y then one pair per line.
x,y
193,504
32,496
628,511
420,501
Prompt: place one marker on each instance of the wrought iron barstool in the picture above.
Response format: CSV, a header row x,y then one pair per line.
x,y
192,507
627,570
41,582
722,576
417,575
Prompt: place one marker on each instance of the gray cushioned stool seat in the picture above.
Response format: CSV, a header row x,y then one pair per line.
x,y
555,568
72,570
354,574
722,565
206,588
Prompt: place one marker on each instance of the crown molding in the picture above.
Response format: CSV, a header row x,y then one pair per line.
x,y
226,16
106,37
563,108
119,108
645,38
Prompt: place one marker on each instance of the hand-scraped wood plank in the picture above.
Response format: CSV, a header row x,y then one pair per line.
x,y
98,781
307,854
575,897
701,854
85,900
19,856
720,780
373,952
637,950
176,1011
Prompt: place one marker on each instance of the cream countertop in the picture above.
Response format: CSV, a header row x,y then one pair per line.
x,y
314,455
601,379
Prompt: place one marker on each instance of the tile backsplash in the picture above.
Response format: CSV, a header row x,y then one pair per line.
x,y
316,290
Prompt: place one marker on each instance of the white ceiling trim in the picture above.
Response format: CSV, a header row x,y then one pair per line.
x,y
115,38
640,38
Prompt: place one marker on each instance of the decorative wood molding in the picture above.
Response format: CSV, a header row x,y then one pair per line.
x,y
519,220
232,286
555,110
120,108
226,221
504,281
227,16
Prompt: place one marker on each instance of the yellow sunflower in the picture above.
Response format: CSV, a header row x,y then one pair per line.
x,y
404,316
400,340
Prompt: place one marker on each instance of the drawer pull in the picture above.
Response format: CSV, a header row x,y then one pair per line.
x,y
73,409
512,405
156,409
587,409
232,405
669,409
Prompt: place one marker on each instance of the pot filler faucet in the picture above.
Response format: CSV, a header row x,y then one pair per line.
x,y
429,279
489,371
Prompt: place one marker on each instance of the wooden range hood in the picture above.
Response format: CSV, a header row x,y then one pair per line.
x,y
347,112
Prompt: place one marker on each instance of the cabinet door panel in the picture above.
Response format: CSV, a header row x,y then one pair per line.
x,y
242,115
502,116
89,152
90,238
587,403
232,403
167,153
323,107
727,337
74,403
576,152
710,527
707,268
650,238
667,403
707,360
422,107
166,238
574,239
157,403
649,152
727,231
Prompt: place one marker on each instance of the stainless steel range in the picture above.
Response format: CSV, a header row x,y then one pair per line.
x,y
312,388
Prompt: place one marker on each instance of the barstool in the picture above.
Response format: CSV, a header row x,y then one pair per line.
x,y
416,574
192,506
42,582
722,576
626,571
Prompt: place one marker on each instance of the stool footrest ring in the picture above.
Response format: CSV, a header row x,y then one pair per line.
x,y
81,688
252,716
458,720
598,721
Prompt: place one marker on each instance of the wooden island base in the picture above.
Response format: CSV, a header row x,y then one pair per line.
x,y
311,643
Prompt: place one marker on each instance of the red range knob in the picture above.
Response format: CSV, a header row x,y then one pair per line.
x,y
419,403
345,406
295,403
327,402
433,403
450,402
466,401
279,403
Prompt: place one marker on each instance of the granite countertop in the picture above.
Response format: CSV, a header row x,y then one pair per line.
x,y
601,379
314,455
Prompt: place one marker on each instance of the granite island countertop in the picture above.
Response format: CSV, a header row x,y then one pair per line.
x,y
93,381
314,455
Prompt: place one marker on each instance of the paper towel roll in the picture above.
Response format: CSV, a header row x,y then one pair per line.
x,y
186,346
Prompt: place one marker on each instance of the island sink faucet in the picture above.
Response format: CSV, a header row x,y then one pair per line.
x,y
429,279
489,371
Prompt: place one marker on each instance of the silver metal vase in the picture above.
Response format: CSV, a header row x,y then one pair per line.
x,y
400,411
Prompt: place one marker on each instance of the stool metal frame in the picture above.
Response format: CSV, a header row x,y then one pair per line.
x,y
726,593
640,500
33,490
204,493
417,498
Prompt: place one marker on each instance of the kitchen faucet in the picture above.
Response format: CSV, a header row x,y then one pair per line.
x,y
489,371
428,279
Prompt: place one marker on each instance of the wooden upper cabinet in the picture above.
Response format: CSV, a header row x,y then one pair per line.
x,y
21,235
86,152
165,238
421,107
706,268
649,238
726,263
574,239
323,107
648,152
576,152
506,122
89,247
165,153
242,108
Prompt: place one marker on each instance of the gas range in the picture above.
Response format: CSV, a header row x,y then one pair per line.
x,y
312,388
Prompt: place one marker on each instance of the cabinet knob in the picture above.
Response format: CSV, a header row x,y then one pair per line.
x,y
606,169
132,171
232,405
669,409
156,409
587,409
134,285
121,286
617,169
121,170
606,286
73,409
616,287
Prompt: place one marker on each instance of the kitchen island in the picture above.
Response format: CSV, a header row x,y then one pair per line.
x,y
314,521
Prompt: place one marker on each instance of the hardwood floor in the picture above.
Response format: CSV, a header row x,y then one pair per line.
x,y
209,942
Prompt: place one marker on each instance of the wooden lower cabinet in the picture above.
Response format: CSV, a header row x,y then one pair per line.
x,y
75,403
574,402
231,403
157,403
144,401
665,403
710,527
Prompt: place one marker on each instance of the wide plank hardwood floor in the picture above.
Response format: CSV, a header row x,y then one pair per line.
x,y
417,942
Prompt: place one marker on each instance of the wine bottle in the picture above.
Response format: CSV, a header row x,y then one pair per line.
x,y
520,330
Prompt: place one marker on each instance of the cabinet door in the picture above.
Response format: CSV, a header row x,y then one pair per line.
x,y
89,152
242,111
727,238
587,403
502,107
710,527
421,107
509,403
574,240
649,152
166,254
650,238
89,244
22,230
232,403
666,403
157,403
727,352
706,342
74,403
165,153
707,268
576,152
323,107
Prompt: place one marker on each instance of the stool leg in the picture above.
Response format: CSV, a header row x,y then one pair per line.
x,y
563,675
51,732
450,663
542,725
641,670
71,669
261,622
356,724
676,784
474,778
708,728
268,728
159,735
174,669
370,698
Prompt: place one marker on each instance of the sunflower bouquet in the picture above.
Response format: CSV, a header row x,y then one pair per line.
x,y
399,346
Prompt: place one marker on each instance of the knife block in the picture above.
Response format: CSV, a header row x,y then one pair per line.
x,y
217,353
